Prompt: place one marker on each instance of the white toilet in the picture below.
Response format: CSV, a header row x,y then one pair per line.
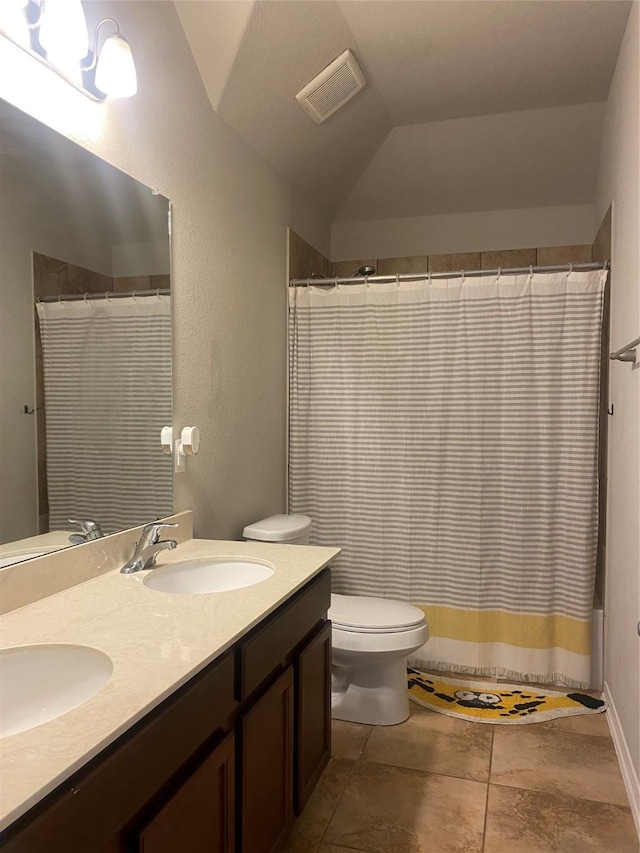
x,y
371,638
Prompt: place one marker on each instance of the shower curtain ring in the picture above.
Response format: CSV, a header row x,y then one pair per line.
x,y
570,270
462,277
60,300
158,294
106,296
133,295
499,274
85,299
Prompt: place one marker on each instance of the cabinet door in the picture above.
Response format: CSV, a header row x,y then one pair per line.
x,y
312,714
199,817
266,750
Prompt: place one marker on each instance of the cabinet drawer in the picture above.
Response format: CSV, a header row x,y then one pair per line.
x,y
89,810
272,645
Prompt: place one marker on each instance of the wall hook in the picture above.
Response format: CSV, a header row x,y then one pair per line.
x,y
610,410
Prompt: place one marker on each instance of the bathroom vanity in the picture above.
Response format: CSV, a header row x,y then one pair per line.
x,y
230,750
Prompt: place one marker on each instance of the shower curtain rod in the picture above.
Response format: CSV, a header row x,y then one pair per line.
x,y
332,282
75,297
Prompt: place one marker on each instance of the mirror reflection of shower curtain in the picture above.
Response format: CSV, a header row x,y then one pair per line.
x,y
444,435
107,385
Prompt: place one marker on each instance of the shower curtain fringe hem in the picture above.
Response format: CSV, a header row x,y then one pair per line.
x,y
557,679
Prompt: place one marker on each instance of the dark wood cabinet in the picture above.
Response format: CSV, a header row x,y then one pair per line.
x,y
101,807
199,817
266,768
273,644
218,766
312,713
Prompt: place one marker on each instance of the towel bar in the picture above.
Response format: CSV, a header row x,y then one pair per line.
x,y
626,353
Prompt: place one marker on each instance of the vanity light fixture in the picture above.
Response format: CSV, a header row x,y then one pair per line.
x,y
55,33
13,22
62,30
115,70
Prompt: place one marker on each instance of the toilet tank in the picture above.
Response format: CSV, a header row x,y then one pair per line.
x,y
284,529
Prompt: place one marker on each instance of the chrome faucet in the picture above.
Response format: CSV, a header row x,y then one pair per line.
x,y
90,530
148,547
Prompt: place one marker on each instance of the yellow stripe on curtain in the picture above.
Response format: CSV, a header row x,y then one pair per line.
x,y
516,629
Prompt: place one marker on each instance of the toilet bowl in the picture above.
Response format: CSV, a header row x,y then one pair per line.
x,y
370,637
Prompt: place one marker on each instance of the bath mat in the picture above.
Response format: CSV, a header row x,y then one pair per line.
x,y
490,702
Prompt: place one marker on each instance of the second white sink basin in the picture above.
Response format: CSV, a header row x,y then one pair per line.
x,y
208,575
11,559
40,683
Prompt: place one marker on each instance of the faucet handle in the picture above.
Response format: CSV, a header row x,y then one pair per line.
x,y
151,532
90,530
87,525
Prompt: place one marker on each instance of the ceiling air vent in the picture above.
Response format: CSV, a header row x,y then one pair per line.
x,y
332,88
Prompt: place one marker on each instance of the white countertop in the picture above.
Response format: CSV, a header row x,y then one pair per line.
x,y
157,642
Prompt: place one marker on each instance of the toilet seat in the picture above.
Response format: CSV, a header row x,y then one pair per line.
x,y
361,614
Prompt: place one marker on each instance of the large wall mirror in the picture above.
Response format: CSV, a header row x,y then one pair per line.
x,y
85,344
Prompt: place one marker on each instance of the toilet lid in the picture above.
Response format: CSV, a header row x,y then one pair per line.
x,y
361,613
278,528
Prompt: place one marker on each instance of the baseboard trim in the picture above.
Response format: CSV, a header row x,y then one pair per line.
x,y
631,782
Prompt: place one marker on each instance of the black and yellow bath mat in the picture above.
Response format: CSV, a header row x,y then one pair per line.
x,y
490,702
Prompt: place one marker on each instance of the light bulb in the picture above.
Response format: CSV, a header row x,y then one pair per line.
x,y
115,70
13,21
63,29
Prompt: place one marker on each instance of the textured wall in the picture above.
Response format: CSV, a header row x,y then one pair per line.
x,y
619,184
463,232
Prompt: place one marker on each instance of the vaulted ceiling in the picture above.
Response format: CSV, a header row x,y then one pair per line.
x,y
480,105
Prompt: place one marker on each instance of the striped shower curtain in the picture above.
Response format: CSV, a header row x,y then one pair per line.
x,y
444,434
107,386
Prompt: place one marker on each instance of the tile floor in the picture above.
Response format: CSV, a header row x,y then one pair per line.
x,y
436,784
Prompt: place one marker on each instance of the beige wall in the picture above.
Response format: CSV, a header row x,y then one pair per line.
x,y
619,184
463,232
230,213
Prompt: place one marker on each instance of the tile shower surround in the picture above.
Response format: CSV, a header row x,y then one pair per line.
x,y
545,256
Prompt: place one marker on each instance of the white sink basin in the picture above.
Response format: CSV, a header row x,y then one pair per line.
x,y
40,683
207,575
25,555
